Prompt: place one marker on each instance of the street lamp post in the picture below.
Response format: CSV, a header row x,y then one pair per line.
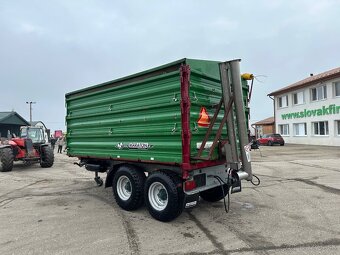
x,y
30,103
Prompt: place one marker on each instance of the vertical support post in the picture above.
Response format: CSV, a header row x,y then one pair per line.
x,y
185,117
274,106
240,115
226,95
30,103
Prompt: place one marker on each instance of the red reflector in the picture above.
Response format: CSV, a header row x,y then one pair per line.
x,y
189,185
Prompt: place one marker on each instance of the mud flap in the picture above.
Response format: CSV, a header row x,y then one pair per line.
x,y
191,200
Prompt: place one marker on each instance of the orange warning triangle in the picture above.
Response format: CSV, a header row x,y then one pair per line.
x,y
204,119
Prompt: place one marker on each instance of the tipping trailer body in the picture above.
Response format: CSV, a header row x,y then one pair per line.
x,y
157,120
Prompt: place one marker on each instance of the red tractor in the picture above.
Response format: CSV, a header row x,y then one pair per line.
x,y
30,147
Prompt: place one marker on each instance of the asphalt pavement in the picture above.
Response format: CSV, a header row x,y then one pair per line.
x,y
60,210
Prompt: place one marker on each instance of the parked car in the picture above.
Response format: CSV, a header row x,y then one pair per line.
x,y
271,139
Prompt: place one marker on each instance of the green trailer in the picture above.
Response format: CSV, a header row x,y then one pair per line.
x,y
165,136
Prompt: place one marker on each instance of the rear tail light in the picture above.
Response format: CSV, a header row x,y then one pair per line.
x,y
189,185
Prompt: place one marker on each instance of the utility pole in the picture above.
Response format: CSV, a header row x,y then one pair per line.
x,y
30,103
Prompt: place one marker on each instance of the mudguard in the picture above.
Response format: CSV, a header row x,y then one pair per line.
x,y
5,146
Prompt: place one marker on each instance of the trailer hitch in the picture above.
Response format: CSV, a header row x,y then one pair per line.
x,y
236,177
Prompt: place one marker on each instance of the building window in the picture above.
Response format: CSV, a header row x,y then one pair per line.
x,y
298,98
300,129
320,128
337,122
319,93
284,129
283,101
337,89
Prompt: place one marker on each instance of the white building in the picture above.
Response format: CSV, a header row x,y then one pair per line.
x,y
308,111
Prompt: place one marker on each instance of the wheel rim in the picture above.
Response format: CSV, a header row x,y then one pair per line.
x,y
124,188
158,196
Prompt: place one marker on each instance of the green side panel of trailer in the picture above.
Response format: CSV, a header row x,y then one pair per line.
x,y
109,123
138,117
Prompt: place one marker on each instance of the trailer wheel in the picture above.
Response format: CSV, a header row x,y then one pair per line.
x,y
164,196
128,184
46,157
214,194
6,159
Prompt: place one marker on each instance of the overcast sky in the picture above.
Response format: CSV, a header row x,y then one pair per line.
x,y
49,48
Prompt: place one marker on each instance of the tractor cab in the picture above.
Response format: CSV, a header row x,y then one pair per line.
x,y
36,134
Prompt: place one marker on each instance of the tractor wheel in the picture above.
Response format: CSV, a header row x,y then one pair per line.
x,y
127,186
214,194
6,159
46,157
164,196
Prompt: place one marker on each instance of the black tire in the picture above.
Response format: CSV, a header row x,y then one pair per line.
x,y
46,157
270,143
6,159
282,144
129,197
214,194
174,196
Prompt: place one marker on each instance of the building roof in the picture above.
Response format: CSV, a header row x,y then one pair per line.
x,y
268,121
3,115
34,123
12,118
311,80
